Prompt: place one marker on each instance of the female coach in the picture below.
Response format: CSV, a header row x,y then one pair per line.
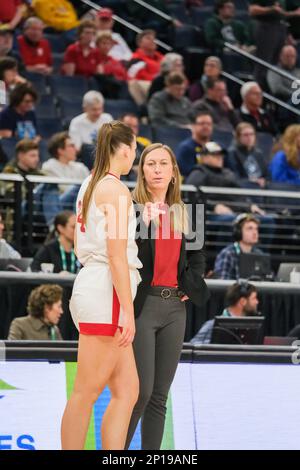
x,y
170,275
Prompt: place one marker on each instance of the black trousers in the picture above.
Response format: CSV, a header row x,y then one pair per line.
x,y
157,347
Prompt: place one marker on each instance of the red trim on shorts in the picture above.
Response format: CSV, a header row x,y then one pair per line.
x,y
115,308
101,329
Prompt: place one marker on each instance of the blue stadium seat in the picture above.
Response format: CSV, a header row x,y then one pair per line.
x,y
223,138
171,136
8,146
38,81
70,108
178,11
43,151
45,107
118,107
265,142
184,36
49,126
199,15
146,131
87,155
57,42
65,87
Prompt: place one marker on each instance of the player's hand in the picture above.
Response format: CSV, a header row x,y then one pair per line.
x,y
128,332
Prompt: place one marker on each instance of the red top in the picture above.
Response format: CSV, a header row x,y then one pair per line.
x,y
8,10
152,68
113,67
35,54
85,65
167,252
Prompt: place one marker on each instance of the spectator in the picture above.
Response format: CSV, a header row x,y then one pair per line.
x,y
188,152
170,107
107,64
172,62
146,65
252,112
223,27
245,159
81,58
6,41
35,50
59,248
63,162
212,71
84,128
9,73
217,103
240,300
270,32
132,121
19,119
280,86
11,12
44,312
6,250
211,172
246,235
285,165
27,159
57,14
105,22
293,17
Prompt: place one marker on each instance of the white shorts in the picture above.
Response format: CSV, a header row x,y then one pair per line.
x,y
94,304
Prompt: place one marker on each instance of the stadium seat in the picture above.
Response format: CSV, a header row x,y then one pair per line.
x,y
170,136
118,107
265,142
38,81
146,131
223,138
184,36
57,42
87,155
8,147
68,87
45,107
70,108
49,126
199,15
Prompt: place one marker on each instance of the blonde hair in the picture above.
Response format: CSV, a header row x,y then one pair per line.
x,y
142,195
110,136
241,127
289,145
103,35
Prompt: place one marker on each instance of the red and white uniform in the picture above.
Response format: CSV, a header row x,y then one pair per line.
x,y
94,304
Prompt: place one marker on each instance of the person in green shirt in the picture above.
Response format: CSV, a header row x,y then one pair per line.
x,y
44,312
223,27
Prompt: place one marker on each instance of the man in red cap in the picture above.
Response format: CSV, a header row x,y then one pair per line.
x,y
105,22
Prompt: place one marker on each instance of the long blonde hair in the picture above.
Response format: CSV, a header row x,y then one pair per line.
x,y
289,145
110,136
142,195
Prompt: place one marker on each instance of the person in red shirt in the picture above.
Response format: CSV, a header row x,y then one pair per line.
x,y
81,58
108,65
35,50
11,12
146,65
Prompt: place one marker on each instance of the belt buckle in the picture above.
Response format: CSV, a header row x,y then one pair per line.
x,y
165,293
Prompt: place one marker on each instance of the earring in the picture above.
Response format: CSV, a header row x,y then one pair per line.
x,y
173,180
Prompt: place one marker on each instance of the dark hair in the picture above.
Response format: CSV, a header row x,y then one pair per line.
x,y
25,145
238,290
110,136
42,296
129,114
175,78
140,35
200,114
85,24
62,218
211,82
7,63
219,4
18,93
57,141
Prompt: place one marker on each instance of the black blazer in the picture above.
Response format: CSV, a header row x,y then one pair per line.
x,y
191,268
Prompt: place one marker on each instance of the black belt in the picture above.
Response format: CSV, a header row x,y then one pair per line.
x,y
165,292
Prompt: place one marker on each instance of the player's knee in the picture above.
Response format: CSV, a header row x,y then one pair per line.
x,y
89,391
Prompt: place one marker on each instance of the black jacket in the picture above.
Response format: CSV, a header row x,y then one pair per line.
x,y
191,268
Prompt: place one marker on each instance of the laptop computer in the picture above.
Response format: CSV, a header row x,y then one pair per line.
x,y
285,270
254,266
11,264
